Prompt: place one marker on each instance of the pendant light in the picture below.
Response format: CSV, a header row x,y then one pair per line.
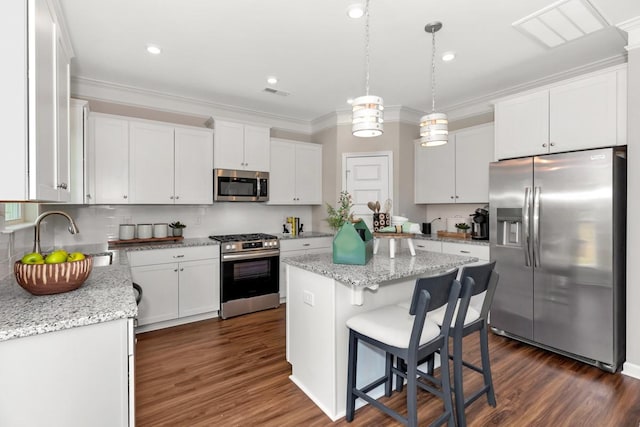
x,y
367,116
434,127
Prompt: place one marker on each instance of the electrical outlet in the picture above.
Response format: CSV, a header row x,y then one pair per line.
x,y
308,298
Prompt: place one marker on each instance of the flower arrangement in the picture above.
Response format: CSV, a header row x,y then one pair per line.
x,y
338,216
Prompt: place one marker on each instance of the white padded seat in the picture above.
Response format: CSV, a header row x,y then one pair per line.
x,y
437,315
392,325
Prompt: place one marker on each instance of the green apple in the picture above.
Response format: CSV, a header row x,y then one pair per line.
x,y
75,256
32,258
62,251
55,258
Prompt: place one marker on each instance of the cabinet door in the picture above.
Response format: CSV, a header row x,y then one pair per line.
x,y
63,145
474,152
282,178
583,113
78,115
435,174
193,166
42,104
199,287
522,126
110,148
308,179
228,145
150,163
256,148
427,245
159,292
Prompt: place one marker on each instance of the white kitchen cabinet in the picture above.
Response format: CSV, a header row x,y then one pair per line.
x,y
296,173
82,377
78,146
463,249
241,146
457,172
147,162
35,103
581,113
427,245
179,285
110,158
297,247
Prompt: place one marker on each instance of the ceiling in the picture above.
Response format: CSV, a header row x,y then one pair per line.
x,y
222,51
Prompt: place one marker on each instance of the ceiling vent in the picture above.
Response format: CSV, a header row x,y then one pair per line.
x,y
275,91
561,22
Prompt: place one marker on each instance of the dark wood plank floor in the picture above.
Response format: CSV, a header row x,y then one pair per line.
x,y
234,373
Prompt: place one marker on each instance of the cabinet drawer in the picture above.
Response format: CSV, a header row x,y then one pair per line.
x,y
164,256
302,244
427,245
478,251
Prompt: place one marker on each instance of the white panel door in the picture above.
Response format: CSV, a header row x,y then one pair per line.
x,y
228,145
193,166
199,290
583,114
367,179
435,173
151,163
522,126
308,178
282,178
256,148
474,152
110,143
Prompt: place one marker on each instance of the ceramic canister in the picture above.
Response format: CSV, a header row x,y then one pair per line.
x,y
160,230
127,231
145,231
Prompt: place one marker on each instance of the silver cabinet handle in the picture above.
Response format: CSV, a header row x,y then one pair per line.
x,y
62,185
544,145
553,144
125,196
178,256
307,244
525,225
451,197
171,197
88,196
536,227
465,252
176,270
182,269
456,197
177,197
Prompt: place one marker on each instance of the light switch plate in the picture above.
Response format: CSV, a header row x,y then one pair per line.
x,y
308,298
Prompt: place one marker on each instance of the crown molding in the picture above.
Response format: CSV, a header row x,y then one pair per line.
x,y
632,28
99,90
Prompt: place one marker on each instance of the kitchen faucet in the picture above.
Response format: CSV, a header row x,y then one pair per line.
x,y
73,228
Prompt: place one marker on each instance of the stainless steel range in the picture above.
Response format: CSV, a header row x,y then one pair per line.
x,y
249,273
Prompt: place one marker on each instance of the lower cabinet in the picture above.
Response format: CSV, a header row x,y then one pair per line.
x,y
464,249
296,247
74,377
176,284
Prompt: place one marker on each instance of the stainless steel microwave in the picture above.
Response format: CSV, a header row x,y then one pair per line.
x,y
240,186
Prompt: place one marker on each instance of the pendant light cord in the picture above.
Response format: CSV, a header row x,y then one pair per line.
x,y
366,44
433,70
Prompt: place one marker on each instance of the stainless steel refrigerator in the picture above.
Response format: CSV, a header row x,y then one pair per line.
x,y
558,234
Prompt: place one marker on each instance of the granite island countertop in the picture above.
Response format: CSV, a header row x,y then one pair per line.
x,y
380,268
435,237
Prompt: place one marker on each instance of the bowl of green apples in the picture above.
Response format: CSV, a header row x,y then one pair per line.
x,y
53,273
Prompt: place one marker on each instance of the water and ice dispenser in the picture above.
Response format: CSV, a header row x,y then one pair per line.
x,y
509,226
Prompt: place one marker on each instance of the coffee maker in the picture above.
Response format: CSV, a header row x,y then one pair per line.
x,y
480,224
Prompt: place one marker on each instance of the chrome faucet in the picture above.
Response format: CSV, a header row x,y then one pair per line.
x,y
73,228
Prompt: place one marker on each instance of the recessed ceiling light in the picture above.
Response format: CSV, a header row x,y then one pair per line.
x,y
355,11
153,49
448,56
272,80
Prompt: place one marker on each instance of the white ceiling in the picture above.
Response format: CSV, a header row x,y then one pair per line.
x,y
222,51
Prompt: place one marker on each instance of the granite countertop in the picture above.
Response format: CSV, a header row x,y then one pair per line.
x,y
106,295
380,268
447,239
194,241
305,235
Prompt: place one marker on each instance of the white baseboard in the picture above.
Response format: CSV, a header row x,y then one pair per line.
x,y
631,370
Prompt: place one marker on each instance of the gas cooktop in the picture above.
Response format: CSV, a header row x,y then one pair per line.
x,y
243,237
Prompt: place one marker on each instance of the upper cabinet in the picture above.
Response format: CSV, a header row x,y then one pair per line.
x,y
146,162
35,103
457,172
296,173
582,113
241,146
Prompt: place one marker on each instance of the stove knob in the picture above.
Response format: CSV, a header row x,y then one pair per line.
x,y
228,247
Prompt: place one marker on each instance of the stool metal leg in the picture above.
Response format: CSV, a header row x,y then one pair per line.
x,y
351,375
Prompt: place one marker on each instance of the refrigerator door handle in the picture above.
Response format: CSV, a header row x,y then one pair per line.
x,y
536,227
525,226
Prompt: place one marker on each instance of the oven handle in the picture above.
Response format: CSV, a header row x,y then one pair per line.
x,y
250,255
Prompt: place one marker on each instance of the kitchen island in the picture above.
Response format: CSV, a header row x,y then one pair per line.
x,y
323,295
67,359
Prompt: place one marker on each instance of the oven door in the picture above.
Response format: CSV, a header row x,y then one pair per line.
x,y
249,275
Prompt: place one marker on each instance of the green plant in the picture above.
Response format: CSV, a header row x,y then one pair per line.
x,y
341,214
177,224
462,226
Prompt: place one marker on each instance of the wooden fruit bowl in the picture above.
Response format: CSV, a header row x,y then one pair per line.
x,y
48,279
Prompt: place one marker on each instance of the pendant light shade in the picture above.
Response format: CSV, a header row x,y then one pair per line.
x,y
368,116
434,127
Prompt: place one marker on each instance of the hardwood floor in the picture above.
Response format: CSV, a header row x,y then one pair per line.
x,y
234,373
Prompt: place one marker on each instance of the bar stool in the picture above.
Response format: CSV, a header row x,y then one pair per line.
x,y
486,280
411,337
